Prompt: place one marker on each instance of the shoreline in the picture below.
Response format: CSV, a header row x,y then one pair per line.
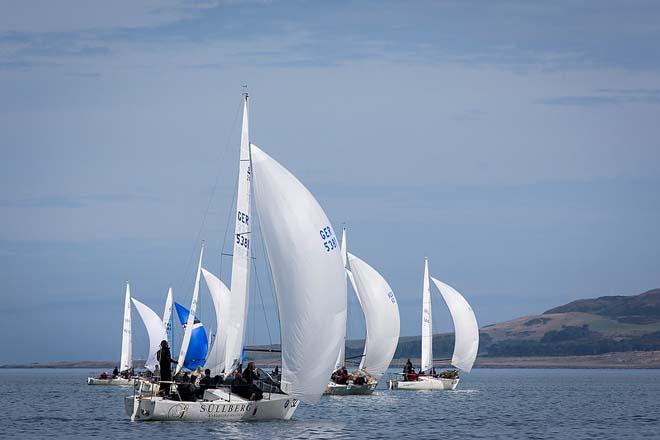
x,y
615,360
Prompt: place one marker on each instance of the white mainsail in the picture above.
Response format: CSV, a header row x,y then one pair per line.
x,y
339,363
308,276
466,329
191,316
215,361
125,362
381,314
167,313
427,321
240,267
155,330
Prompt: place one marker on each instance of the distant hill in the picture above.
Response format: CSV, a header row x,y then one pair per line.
x,y
583,327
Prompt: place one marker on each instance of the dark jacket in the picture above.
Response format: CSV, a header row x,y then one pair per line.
x,y
165,361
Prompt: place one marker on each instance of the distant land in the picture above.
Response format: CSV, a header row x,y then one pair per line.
x,y
606,332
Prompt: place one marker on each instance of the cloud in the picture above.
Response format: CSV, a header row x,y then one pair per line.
x,y
607,97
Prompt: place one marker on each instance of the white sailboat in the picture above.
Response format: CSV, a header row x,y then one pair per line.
x,y
381,313
155,330
466,342
125,363
308,278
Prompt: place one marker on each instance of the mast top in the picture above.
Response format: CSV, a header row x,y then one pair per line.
x,y
245,90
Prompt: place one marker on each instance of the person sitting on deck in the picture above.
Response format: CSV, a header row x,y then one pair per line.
x,y
360,380
103,375
205,383
115,373
342,377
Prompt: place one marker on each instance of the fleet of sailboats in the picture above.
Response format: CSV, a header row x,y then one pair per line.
x,y
311,271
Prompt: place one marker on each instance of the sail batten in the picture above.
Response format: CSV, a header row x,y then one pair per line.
x,y
466,329
308,276
125,362
155,330
240,267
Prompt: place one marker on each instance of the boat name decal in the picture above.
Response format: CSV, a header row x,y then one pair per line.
x,y
223,408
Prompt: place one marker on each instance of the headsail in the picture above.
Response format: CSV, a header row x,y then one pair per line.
x,y
125,362
427,321
199,343
381,314
215,361
240,266
155,330
193,309
308,276
466,329
167,314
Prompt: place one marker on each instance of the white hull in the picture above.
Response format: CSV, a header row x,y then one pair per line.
x,y
349,389
424,383
217,405
109,381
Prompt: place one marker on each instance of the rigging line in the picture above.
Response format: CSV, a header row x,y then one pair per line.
x,y
263,307
213,193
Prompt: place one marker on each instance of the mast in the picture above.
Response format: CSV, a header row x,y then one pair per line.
x,y
125,362
341,358
240,267
191,316
427,321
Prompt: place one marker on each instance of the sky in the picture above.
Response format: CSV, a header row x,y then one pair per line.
x,y
514,143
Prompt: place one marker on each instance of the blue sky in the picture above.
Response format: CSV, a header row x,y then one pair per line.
x,y
515,144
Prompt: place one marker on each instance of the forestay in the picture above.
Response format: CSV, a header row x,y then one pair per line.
x,y
466,328
381,314
308,276
155,330
220,294
126,339
240,265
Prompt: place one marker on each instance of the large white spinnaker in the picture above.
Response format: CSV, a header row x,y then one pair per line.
x,y
308,276
215,361
155,330
381,314
427,321
466,329
167,313
125,362
191,315
240,265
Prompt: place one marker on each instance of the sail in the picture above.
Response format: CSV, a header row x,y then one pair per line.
x,y
308,276
125,362
215,360
381,314
341,358
193,309
427,321
155,330
198,345
240,266
167,313
466,330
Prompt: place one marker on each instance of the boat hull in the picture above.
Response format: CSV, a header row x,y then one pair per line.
x,y
424,383
224,407
350,389
109,381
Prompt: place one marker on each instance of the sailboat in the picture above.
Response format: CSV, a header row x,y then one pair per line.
x,y
308,278
125,363
381,313
466,340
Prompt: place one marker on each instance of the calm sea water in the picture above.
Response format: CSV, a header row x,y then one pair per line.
x,y
508,404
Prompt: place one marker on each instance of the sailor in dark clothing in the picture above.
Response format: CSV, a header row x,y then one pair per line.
x,y
250,373
205,383
165,361
115,373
